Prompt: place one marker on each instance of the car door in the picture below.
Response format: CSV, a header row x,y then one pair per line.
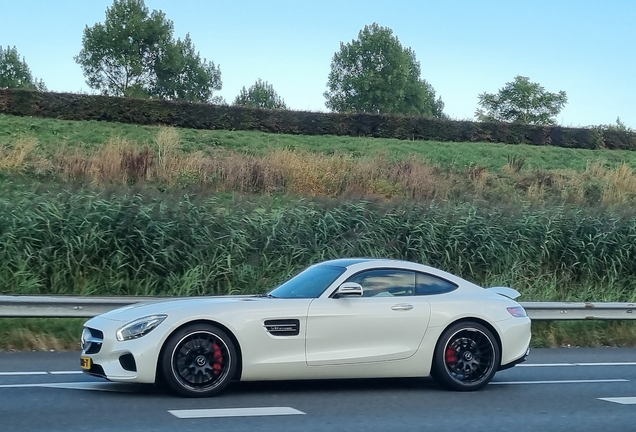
x,y
387,323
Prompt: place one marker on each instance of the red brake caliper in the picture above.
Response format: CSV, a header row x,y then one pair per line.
x,y
218,359
451,356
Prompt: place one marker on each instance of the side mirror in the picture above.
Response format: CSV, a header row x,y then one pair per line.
x,y
349,289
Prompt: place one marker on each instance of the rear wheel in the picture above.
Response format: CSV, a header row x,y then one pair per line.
x,y
466,357
199,360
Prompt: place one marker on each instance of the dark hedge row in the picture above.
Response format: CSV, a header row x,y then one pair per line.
x,y
202,116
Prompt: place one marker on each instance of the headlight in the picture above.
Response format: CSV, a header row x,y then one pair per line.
x,y
139,327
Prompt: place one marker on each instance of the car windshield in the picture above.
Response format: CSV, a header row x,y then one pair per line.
x,y
309,283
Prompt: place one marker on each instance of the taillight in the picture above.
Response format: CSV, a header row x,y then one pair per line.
x,y
517,311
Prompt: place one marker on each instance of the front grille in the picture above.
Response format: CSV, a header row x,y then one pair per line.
x,y
94,348
92,340
96,333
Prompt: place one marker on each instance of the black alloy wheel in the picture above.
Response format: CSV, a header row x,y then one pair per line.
x,y
199,360
466,357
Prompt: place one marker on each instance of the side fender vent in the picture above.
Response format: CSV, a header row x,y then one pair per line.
x,y
283,327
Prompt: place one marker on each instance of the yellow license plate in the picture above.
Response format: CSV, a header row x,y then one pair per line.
x,y
86,362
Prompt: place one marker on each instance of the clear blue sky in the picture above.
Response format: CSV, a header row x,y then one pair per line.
x,y
586,48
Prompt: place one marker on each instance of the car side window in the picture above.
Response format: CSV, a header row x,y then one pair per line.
x,y
427,284
385,282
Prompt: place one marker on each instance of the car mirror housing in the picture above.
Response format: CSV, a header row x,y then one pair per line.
x,y
349,289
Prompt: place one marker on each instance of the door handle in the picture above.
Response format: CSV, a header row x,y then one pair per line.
x,y
402,307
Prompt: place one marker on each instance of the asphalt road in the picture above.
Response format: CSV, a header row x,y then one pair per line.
x,y
557,390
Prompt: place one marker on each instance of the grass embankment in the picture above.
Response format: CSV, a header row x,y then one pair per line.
x,y
98,208
251,162
54,136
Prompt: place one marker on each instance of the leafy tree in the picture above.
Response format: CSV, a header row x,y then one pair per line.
x,y
260,95
133,53
375,74
521,101
182,75
14,72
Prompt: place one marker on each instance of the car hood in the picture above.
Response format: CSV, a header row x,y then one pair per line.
x,y
138,310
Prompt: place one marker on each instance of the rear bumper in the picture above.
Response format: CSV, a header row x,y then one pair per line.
x,y
515,362
515,334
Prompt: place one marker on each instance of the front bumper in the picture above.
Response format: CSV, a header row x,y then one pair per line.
x,y
128,361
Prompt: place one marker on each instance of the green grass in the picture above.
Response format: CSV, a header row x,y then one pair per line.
x,y
40,334
583,333
54,135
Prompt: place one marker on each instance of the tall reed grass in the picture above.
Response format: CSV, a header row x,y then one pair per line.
x,y
84,242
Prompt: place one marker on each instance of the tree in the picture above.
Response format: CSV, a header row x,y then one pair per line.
x,y
133,53
15,73
182,75
375,74
521,101
260,95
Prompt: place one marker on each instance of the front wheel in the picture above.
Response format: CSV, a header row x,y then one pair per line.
x,y
199,360
466,357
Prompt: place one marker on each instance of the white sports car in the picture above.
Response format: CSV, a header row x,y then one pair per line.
x,y
347,318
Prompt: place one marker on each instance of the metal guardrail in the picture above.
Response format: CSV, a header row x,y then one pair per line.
x,y
87,307
549,311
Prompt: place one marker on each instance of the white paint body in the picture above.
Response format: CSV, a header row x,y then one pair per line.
x,y
351,337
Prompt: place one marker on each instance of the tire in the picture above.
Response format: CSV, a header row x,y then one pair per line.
x,y
199,360
466,357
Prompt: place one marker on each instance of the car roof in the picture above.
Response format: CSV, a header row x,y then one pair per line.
x,y
367,263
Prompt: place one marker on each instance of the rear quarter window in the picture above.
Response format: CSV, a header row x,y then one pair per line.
x,y
426,284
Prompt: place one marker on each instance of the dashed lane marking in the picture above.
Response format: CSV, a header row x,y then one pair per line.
x,y
234,412
621,400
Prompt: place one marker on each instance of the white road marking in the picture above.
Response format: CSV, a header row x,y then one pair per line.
x,y
234,412
576,364
18,373
99,386
621,400
21,385
561,381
